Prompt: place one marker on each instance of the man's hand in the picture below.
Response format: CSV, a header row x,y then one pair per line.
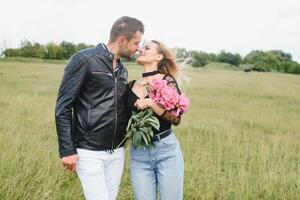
x,y
69,162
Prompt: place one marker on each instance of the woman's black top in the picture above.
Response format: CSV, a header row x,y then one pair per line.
x,y
166,119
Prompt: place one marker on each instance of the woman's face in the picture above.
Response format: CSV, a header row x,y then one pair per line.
x,y
149,54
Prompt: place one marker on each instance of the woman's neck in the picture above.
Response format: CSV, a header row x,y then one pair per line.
x,y
147,75
150,67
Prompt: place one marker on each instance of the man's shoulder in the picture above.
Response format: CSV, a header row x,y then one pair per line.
x,y
88,52
81,58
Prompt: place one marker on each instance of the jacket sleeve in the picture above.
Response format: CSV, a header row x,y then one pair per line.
x,y
167,115
74,75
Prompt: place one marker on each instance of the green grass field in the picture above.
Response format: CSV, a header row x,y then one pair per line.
x,y
240,138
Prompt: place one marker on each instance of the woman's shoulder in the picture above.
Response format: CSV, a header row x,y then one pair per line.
x,y
171,81
134,83
131,83
168,77
160,76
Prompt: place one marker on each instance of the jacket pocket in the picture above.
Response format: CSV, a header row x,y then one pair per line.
x,y
96,73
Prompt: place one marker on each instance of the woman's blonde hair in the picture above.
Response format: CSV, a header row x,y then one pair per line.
x,y
168,64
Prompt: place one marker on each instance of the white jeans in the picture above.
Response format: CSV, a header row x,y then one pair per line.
x,y
100,173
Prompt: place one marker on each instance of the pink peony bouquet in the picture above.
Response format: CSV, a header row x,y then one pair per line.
x,y
168,97
140,126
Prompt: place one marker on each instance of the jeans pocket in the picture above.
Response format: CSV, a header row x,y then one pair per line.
x,y
87,166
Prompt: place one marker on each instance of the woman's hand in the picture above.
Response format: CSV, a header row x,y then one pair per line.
x,y
142,104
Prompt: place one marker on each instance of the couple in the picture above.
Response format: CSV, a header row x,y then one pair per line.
x,y
92,109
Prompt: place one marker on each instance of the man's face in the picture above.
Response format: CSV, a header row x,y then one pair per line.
x,y
129,47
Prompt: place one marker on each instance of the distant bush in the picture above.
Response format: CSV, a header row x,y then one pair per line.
x,y
199,58
290,67
64,50
230,58
275,60
181,54
262,61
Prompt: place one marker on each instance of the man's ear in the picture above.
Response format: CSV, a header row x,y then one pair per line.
x,y
121,40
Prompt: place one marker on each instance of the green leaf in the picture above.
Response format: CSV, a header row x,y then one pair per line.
x,y
148,113
137,138
144,129
148,136
129,134
145,139
153,122
146,132
140,128
129,125
134,117
140,114
151,133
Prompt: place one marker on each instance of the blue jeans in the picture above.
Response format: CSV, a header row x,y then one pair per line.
x,y
159,168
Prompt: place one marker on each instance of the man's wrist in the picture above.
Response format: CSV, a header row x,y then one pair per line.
x,y
67,152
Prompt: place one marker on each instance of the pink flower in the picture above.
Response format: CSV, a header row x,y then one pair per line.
x,y
184,102
168,97
182,105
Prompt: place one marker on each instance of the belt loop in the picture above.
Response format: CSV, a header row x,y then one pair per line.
x,y
158,137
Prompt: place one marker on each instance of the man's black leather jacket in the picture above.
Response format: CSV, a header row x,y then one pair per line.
x,y
90,109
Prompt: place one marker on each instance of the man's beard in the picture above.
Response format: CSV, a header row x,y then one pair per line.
x,y
127,54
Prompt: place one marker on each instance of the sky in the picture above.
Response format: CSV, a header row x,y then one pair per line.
x,y
237,26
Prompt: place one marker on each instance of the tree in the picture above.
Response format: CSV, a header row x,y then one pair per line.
x,y
11,52
281,55
213,57
199,58
291,67
68,49
274,60
53,51
81,46
227,57
181,54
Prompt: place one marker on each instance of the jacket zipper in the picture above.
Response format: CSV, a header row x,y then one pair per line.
x,y
116,106
109,74
116,114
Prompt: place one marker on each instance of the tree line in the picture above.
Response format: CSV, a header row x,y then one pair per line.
x,y
61,51
257,60
264,61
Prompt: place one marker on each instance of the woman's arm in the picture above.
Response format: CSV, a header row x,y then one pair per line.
x,y
142,104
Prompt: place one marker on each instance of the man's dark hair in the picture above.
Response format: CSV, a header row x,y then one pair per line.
x,y
127,27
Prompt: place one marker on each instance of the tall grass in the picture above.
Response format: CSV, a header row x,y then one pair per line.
x,y
240,139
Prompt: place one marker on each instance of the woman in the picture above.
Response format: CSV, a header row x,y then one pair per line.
x,y
158,168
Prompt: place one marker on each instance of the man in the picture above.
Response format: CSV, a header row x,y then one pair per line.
x,y
90,110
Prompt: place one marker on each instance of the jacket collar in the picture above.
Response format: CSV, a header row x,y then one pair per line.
x,y
102,48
